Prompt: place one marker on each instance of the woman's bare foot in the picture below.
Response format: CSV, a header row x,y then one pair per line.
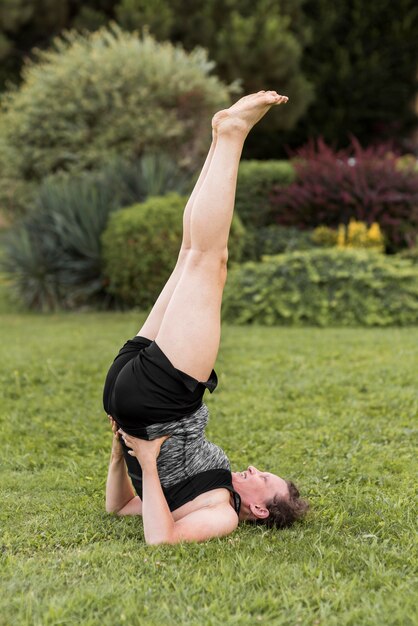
x,y
241,116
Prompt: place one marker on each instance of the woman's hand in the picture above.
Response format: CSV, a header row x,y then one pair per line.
x,y
145,451
117,451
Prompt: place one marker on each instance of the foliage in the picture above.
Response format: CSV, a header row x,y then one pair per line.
x,y
111,94
334,409
256,179
15,193
360,57
275,239
362,61
364,184
358,235
54,258
411,254
276,32
24,24
158,16
155,173
355,235
141,244
325,237
324,287
408,162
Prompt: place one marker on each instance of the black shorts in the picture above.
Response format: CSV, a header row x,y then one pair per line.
x,y
143,387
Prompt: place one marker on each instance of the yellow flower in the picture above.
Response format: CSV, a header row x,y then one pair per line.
x,y
375,234
376,239
356,234
341,236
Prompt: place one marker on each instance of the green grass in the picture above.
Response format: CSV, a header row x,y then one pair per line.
x,y
333,409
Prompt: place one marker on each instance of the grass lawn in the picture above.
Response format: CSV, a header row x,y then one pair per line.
x,y
333,409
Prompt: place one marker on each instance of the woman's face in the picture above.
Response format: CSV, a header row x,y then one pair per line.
x,y
256,487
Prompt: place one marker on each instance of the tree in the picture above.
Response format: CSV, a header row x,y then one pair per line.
x,y
362,60
25,24
93,97
348,67
257,43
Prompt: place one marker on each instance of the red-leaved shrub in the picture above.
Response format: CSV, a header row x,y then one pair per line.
x,y
365,184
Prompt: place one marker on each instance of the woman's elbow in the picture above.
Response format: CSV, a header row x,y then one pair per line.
x,y
159,541
112,509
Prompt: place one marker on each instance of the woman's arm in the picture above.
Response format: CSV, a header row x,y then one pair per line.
x,y
156,515
159,527
120,496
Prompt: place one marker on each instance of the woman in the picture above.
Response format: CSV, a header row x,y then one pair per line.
x,y
154,388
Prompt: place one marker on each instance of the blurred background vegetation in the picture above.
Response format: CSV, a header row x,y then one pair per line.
x,y
347,66
106,104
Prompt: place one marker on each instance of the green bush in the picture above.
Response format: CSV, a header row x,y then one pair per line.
x,y
325,237
153,174
411,254
275,239
141,245
103,95
256,179
323,287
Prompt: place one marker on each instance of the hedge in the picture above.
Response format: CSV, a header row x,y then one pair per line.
x,y
275,239
256,180
323,287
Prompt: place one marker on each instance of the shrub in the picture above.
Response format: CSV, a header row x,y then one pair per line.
x,y
274,239
411,254
355,235
362,184
54,257
141,244
153,174
407,162
323,287
325,237
96,96
358,235
256,179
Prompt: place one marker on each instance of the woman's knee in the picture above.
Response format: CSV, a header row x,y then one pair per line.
x,y
213,259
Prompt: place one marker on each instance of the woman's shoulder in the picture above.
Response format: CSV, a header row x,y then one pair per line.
x,y
216,519
213,499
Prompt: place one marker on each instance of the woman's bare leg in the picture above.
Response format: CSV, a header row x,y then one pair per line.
x,y
152,324
189,334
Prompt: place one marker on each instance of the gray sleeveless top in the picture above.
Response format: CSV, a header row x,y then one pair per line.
x,y
187,452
